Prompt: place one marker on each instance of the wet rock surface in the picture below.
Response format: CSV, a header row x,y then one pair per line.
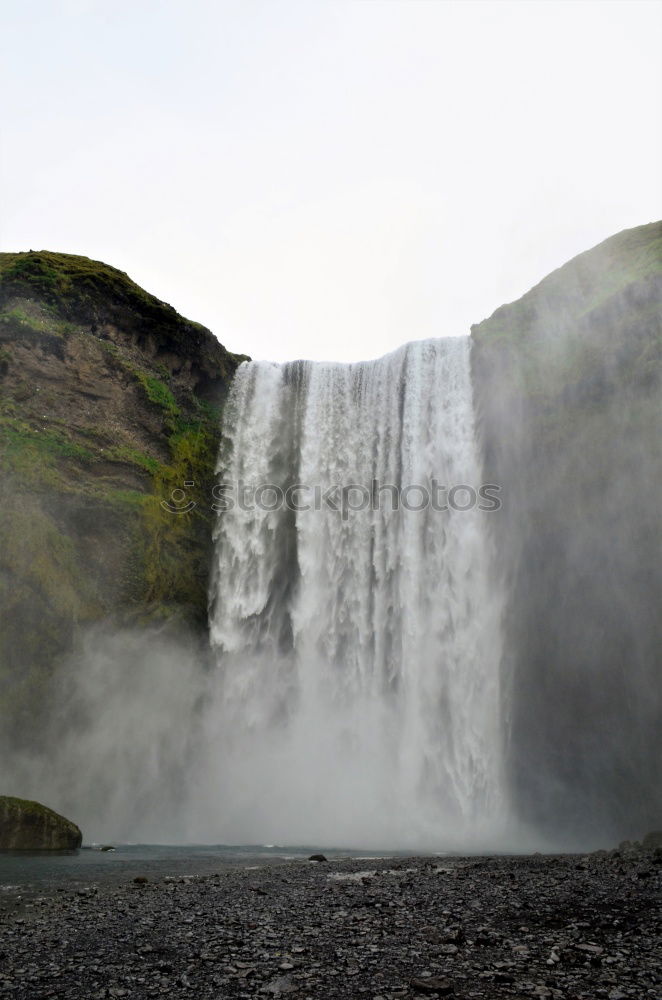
x,y
571,927
27,825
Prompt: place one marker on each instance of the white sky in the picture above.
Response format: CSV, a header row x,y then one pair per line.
x,y
329,178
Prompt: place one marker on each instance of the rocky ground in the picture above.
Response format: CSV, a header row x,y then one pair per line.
x,y
570,927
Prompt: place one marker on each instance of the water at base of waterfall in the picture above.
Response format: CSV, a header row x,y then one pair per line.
x,y
24,873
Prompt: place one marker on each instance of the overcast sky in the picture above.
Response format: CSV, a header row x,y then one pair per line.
x,y
329,178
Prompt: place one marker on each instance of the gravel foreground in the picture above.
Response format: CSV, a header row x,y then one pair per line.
x,y
573,927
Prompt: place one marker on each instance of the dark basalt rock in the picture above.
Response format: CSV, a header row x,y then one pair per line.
x,y
29,826
567,927
441,987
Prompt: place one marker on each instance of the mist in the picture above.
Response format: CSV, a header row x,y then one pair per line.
x,y
121,737
134,752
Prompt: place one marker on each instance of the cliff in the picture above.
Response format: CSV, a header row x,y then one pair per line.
x,y
109,401
568,382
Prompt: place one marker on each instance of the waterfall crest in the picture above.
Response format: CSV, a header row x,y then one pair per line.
x,y
358,691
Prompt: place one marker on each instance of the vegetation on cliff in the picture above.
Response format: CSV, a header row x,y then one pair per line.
x,y
79,290
109,401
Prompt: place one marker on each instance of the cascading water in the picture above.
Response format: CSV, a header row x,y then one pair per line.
x,y
358,698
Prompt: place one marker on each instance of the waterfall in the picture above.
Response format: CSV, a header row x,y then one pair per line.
x,y
358,697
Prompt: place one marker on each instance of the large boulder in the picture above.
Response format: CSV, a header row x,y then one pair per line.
x,y
29,826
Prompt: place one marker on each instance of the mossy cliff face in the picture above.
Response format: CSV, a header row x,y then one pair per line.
x,y
29,826
109,401
568,383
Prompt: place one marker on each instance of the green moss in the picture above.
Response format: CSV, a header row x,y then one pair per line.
x,y
110,348
57,276
158,393
175,544
35,550
23,444
26,806
37,320
76,284
210,414
131,456
84,291
132,501
15,315
15,322
171,549
32,269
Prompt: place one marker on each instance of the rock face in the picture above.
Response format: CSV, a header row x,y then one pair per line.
x,y
568,383
109,401
29,826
